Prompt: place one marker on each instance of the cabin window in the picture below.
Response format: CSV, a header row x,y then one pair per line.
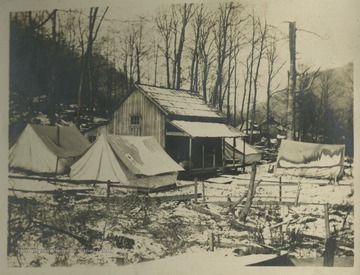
x,y
135,120
135,125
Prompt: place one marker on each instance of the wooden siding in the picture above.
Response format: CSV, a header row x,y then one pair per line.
x,y
152,120
103,129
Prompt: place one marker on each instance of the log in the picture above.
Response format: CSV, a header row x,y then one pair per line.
x,y
200,209
242,226
81,240
250,249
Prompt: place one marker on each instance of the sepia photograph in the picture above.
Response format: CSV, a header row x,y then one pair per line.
x,y
176,137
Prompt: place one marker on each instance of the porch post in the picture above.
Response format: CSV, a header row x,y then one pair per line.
x,y
203,155
190,157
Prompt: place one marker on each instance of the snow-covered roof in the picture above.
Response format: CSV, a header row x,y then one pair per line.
x,y
206,129
179,102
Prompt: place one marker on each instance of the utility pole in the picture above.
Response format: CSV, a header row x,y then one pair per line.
x,y
290,112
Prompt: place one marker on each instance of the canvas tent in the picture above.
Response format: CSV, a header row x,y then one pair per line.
x,y
47,149
129,160
310,159
241,148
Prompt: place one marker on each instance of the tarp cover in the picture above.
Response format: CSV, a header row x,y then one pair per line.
x,y
206,129
251,153
310,159
129,160
40,147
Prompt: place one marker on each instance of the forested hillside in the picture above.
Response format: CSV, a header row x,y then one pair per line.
x,y
45,74
74,66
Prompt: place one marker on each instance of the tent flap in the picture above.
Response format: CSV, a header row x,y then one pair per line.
x,y
251,153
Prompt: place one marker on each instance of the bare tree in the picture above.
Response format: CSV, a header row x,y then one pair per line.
x,y
263,34
250,69
198,20
156,60
206,52
183,14
304,102
164,24
272,56
93,31
328,87
140,49
228,15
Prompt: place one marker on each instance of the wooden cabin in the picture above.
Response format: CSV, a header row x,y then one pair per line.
x,y
190,131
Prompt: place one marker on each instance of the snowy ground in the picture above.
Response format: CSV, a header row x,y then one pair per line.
x,y
75,225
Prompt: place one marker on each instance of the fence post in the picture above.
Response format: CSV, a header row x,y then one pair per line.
x,y
211,241
330,243
326,218
280,190
203,191
297,194
108,195
195,190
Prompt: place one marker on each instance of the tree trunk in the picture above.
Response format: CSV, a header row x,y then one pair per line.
x,y
251,75
228,115
244,95
263,34
235,89
250,194
53,70
290,112
205,76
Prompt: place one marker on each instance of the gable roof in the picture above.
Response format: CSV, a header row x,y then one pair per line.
x,y
272,121
71,142
178,102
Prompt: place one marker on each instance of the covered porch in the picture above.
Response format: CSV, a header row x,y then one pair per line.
x,y
199,147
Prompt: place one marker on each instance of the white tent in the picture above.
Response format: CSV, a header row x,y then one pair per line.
x,y
243,152
47,149
128,160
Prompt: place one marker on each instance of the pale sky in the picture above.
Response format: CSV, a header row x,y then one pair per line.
x,y
336,21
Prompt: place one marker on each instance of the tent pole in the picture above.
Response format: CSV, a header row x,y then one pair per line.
x,y
56,167
223,152
58,135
